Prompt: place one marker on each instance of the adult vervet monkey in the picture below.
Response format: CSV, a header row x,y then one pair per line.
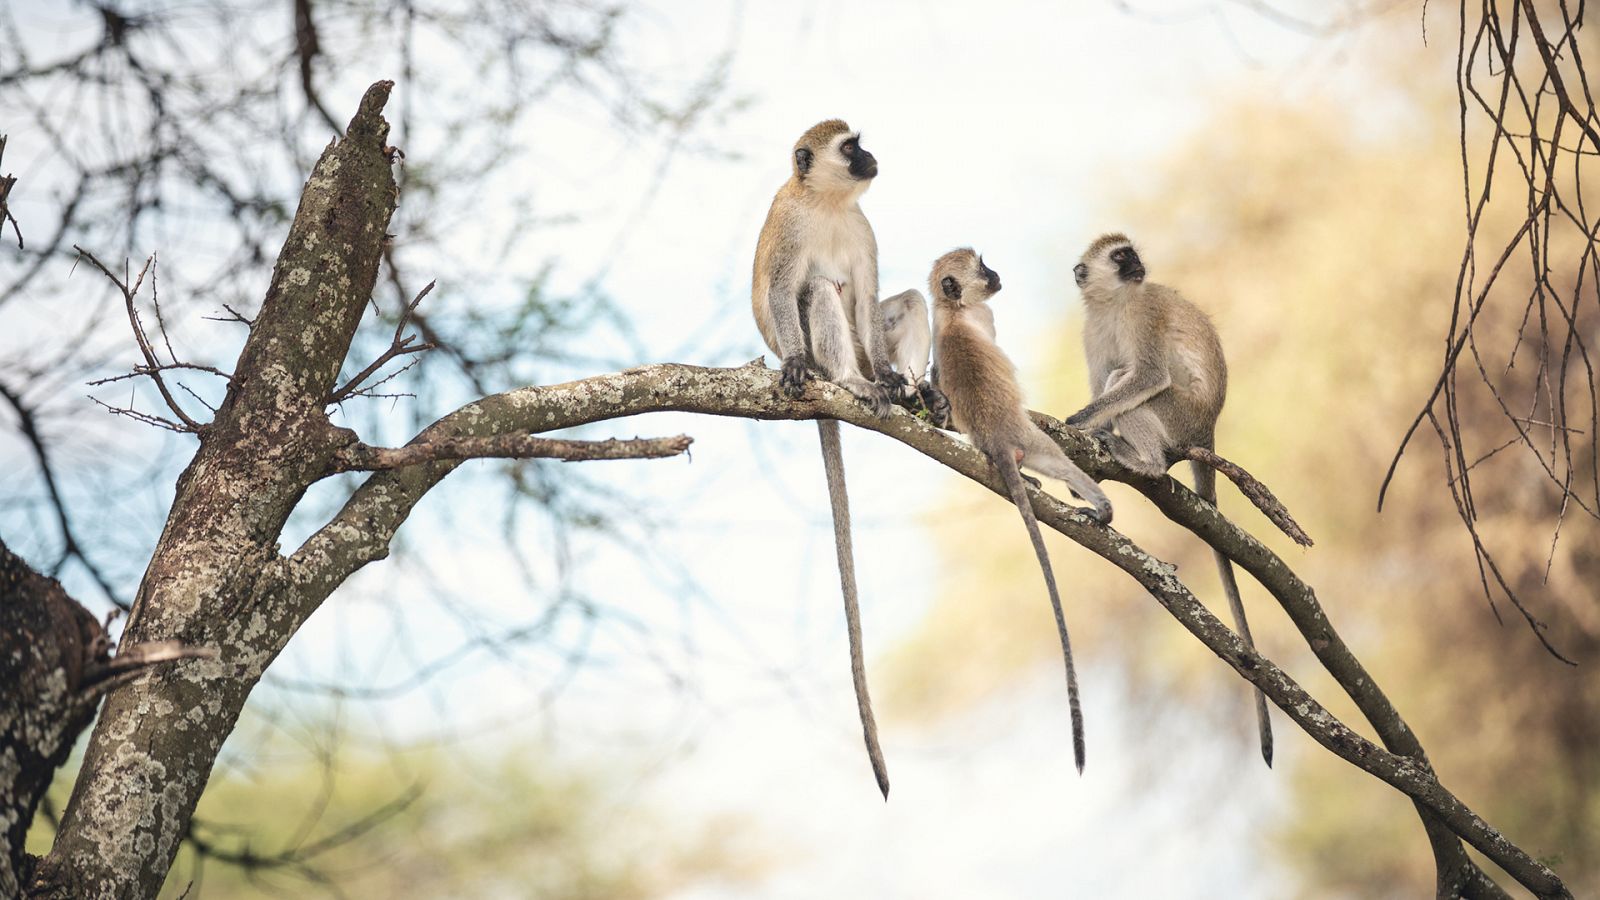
x,y
980,382
1157,376
814,293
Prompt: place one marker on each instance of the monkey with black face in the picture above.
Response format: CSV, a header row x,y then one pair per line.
x,y
1158,378
980,382
814,292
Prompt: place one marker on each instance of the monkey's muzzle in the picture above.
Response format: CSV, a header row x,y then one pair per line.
x,y
864,165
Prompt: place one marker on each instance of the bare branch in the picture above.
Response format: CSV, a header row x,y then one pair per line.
x,y
7,182
153,365
364,458
398,347
1257,492
362,530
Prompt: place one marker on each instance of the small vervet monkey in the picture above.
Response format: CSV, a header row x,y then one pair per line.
x,y
814,292
1157,376
905,326
980,383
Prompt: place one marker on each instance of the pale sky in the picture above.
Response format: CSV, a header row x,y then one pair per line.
x,y
1009,126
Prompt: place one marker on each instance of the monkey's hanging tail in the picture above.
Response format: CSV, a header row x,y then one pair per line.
x,y
833,465
1205,484
1006,462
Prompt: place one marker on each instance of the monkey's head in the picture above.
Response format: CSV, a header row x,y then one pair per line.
x,y
829,158
960,278
1109,263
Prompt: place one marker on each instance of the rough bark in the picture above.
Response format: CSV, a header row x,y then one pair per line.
x,y
157,738
50,648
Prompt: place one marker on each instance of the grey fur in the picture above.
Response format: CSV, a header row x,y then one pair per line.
x,y
1158,377
814,294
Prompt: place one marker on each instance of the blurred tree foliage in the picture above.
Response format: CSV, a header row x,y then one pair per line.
x,y
361,819
1323,233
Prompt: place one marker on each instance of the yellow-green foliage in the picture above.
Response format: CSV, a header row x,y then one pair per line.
x,y
1324,239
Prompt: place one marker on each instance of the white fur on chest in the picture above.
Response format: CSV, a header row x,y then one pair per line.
x,y
840,243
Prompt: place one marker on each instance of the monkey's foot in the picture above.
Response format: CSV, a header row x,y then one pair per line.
x,y
1102,512
938,406
875,396
896,385
792,380
1035,482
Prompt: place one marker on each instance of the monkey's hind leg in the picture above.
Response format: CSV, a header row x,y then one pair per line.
x,y
1141,442
1041,454
834,350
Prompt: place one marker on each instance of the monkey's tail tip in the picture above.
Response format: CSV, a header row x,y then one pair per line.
x,y
883,785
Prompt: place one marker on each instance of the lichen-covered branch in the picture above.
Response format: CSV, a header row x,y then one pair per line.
x,y
157,738
1457,874
363,458
1254,491
361,532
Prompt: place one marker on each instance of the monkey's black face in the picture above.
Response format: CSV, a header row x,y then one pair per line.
x,y
863,165
990,277
1129,266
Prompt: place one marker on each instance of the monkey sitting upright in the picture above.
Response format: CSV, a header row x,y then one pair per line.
x,y
814,292
1156,376
980,383
905,326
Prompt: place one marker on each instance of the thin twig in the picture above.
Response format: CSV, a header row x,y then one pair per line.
x,y
1251,487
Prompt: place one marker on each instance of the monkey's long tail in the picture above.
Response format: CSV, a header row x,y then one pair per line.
x,y
1006,462
1205,484
833,465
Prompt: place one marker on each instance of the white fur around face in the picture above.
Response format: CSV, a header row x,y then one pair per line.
x,y
830,172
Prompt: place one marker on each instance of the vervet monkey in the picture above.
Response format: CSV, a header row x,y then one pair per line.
x,y
980,382
905,326
814,292
1157,376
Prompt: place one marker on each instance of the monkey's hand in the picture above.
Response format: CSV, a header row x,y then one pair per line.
x,y
938,406
1083,417
895,385
794,376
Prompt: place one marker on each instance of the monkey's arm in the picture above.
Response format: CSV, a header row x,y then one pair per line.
x,y
1138,386
785,279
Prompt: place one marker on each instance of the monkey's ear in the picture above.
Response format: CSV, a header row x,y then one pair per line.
x,y
1080,274
802,160
951,288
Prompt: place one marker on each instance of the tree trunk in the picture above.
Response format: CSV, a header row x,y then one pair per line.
x,y
212,579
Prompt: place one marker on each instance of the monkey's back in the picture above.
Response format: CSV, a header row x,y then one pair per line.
x,y
1194,362
980,382
774,250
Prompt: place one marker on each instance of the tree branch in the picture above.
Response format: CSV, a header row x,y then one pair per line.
x,y
362,530
1256,492
364,458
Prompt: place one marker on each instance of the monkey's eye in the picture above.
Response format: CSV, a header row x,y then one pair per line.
x,y
848,148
